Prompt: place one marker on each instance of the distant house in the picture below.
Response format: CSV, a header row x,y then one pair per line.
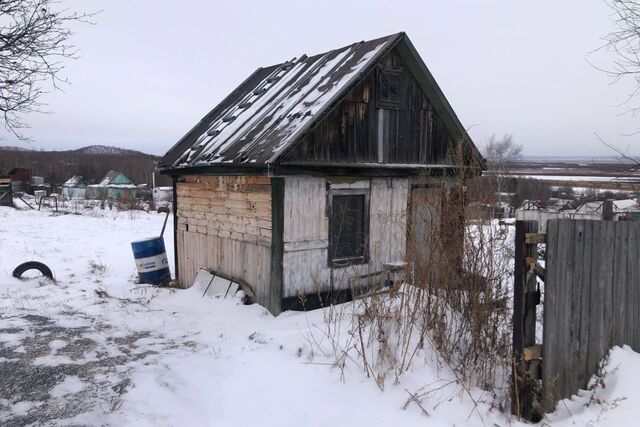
x,y
531,210
535,210
163,196
20,180
6,198
74,188
304,180
503,207
115,185
38,184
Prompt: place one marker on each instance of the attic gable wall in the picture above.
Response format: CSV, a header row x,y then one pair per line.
x,y
411,133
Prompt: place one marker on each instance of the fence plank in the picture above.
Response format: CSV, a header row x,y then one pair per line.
x,y
523,318
567,238
592,300
550,314
585,296
632,286
575,305
619,285
595,327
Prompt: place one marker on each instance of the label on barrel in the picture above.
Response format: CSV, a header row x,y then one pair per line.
x,y
152,263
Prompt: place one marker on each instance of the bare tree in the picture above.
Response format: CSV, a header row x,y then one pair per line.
x,y
499,152
34,41
624,42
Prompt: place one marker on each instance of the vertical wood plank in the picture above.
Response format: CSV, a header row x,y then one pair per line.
x,y
277,244
596,324
584,263
634,282
619,284
517,399
592,300
550,314
523,330
631,286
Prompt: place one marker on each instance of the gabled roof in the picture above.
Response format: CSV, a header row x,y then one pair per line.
x,y
110,176
590,207
625,204
532,205
277,105
73,181
570,205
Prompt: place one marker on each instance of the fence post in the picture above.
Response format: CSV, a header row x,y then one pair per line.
x,y
607,210
524,318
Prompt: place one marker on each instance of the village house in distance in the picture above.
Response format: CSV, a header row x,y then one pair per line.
x,y
301,181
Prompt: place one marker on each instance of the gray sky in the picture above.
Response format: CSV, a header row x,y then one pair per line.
x,y
149,70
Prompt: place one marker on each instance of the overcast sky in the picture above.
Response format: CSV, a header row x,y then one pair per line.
x,y
149,70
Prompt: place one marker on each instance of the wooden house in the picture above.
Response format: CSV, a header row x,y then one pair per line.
x,y
300,182
74,187
114,185
20,180
6,198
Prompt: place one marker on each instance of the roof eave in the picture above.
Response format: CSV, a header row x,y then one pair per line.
x,y
314,169
167,161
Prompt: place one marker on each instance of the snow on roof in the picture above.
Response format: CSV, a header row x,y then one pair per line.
x,y
73,181
268,112
625,204
120,186
107,181
108,177
531,205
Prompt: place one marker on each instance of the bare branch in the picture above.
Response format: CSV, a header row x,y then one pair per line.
x,y
34,42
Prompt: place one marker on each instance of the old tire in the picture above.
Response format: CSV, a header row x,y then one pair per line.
x,y
32,265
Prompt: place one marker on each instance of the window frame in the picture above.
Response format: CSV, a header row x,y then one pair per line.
x,y
390,104
354,260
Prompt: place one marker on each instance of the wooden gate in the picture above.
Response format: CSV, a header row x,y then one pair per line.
x,y
591,303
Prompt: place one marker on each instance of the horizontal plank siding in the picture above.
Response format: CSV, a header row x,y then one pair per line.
x,y
224,224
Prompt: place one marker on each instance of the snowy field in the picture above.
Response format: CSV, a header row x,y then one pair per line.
x,y
94,348
632,179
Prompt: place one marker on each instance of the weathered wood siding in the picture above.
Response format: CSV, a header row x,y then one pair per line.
x,y
354,130
591,300
306,233
224,223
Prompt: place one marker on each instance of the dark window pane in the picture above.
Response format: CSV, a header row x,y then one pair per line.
x,y
390,87
389,90
347,226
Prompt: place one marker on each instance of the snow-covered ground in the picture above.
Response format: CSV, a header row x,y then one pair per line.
x,y
94,348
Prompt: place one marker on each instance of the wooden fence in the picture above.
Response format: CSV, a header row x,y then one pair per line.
x,y
591,300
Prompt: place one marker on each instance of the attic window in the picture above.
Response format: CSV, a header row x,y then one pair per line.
x,y
389,93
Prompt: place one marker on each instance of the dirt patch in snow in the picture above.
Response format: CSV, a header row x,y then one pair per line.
x,y
51,372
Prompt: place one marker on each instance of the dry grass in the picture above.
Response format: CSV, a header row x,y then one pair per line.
x,y
454,298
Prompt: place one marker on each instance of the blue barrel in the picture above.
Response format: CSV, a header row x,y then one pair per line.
x,y
151,261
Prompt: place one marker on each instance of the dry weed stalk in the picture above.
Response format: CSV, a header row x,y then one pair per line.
x,y
454,297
